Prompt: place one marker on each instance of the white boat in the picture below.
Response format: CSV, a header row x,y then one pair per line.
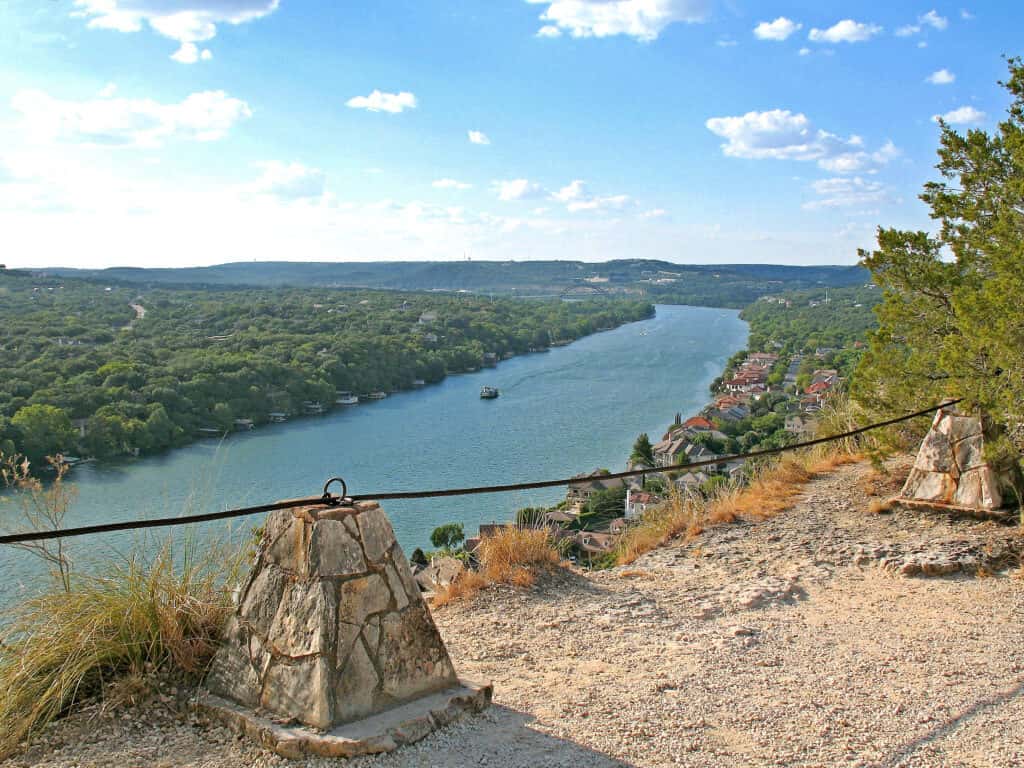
x,y
376,395
489,393
346,398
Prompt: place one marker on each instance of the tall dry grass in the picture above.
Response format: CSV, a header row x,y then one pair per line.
x,y
773,488
63,646
513,556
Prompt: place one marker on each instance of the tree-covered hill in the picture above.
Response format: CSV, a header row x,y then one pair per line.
x,y
139,368
800,321
734,285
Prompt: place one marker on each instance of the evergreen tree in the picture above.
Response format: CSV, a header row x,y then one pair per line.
x,y
643,451
951,322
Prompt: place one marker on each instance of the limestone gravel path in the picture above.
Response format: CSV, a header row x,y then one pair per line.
x,y
813,638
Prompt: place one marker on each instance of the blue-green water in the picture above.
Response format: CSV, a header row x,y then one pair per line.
x,y
566,411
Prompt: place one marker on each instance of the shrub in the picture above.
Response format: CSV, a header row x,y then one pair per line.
x,y
64,646
773,488
512,556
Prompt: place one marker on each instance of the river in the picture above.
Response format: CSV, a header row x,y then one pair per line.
x,y
562,412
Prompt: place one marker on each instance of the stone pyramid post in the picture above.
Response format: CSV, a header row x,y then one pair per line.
x,y
331,649
951,471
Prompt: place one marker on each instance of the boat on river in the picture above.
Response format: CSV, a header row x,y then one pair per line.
x,y
346,398
376,395
489,393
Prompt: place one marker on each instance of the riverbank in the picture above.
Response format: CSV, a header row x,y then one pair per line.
x,y
792,641
560,412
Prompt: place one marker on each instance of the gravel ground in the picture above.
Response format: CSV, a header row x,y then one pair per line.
x,y
797,641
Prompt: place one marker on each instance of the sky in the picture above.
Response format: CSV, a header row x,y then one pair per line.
x,y
196,132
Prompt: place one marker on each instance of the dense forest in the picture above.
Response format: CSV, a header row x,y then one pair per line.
x,y
721,285
105,369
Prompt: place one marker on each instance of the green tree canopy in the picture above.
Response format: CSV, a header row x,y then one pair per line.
x,y
45,431
643,451
448,536
951,322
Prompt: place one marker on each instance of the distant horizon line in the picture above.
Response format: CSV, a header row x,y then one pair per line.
x,y
634,260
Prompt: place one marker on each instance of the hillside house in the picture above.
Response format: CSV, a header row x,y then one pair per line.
x,y
583,486
801,426
698,423
593,543
671,451
691,481
638,502
558,517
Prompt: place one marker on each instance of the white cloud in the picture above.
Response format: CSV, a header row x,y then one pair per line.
x,y
779,29
612,202
379,101
779,134
193,21
855,162
518,189
726,42
108,91
843,192
641,19
654,213
478,137
290,181
941,77
575,190
189,53
204,116
933,19
576,198
549,31
805,51
961,116
450,184
845,31
966,15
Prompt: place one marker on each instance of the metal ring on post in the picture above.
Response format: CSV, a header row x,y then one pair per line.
x,y
335,500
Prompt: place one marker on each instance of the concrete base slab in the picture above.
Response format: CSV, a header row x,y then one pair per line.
x,y
383,732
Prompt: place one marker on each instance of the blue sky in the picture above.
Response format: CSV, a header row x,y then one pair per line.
x,y
182,132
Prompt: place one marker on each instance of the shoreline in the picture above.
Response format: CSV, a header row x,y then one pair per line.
x,y
724,369
334,408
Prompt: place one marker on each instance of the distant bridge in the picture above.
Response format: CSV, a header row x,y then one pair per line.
x,y
583,292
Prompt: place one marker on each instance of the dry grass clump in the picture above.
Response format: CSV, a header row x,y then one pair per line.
x,y
513,556
64,646
879,506
680,514
773,489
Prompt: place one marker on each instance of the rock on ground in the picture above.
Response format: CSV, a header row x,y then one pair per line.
x,y
813,638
